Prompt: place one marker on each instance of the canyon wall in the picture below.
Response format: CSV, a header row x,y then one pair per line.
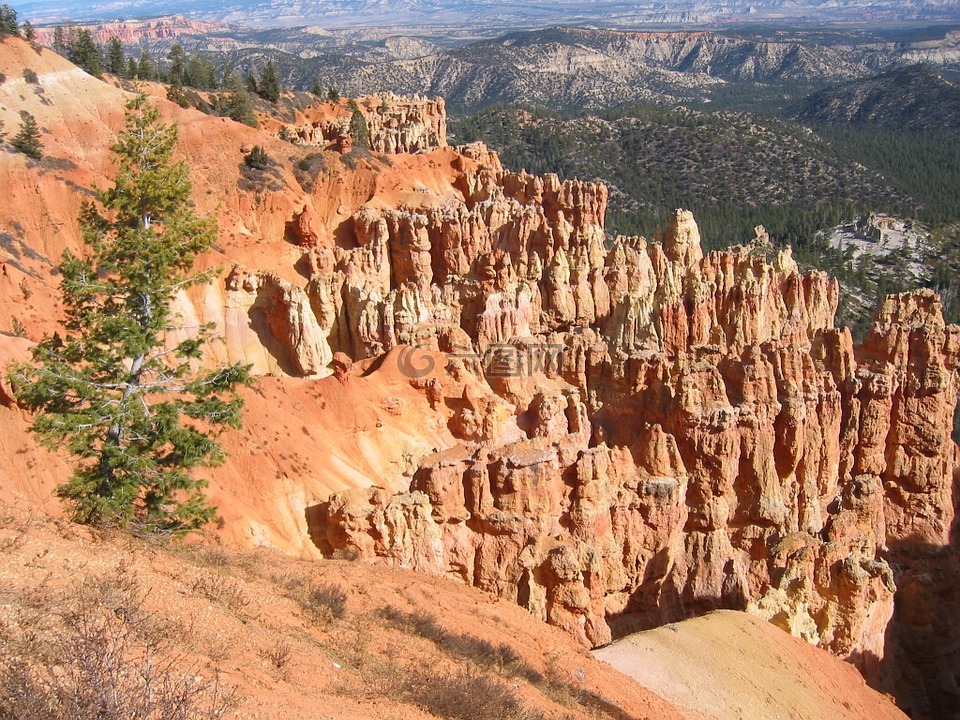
x,y
394,124
662,432
611,432
131,32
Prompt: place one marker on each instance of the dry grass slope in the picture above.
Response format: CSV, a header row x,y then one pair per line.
x,y
111,628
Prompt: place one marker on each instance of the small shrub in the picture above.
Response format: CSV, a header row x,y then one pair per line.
x,y
222,589
462,694
329,598
18,527
484,653
19,329
98,652
308,168
277,655
257,158
30,76
212,556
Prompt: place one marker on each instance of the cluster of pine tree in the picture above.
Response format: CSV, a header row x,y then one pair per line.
x,y
8,21
9,25
180,71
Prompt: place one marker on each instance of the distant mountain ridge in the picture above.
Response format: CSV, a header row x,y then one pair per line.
x,y
498,13
914,98
587,68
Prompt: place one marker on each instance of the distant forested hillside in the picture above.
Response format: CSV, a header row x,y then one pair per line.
x,y
737,170
734,170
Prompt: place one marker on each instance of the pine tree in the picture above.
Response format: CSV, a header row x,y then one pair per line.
x,y
146,67
317,88
175,93
200,74
86,53
178,65
29,33
59,44
27,140
8,21
333,95
269,88
257,158
359,132
116,58
239,105
135,412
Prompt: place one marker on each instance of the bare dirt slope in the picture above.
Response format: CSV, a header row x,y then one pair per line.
x,y
294,638
732,665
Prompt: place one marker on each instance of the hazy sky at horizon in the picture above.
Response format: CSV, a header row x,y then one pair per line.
x,y
346,13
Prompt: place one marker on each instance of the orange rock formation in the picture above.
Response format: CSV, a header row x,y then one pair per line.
x,y
471,380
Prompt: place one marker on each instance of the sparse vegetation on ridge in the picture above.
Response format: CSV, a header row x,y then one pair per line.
x,y
95,650
152,626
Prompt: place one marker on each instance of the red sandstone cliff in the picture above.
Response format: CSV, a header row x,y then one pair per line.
x,y
134,31
394,124
612,434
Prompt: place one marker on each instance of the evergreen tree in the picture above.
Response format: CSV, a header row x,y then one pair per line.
x,y
8,21
257,158
239,105
178,65
359,132
85,53
200,74
27,140
133,69
317,88
333,95
135,413
116,58
146,67
28,32
269,83
176,94
59,44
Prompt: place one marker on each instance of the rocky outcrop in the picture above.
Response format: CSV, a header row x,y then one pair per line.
x,y
706,437
281,315
612,433
493,267
132,32
394,124
405,125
